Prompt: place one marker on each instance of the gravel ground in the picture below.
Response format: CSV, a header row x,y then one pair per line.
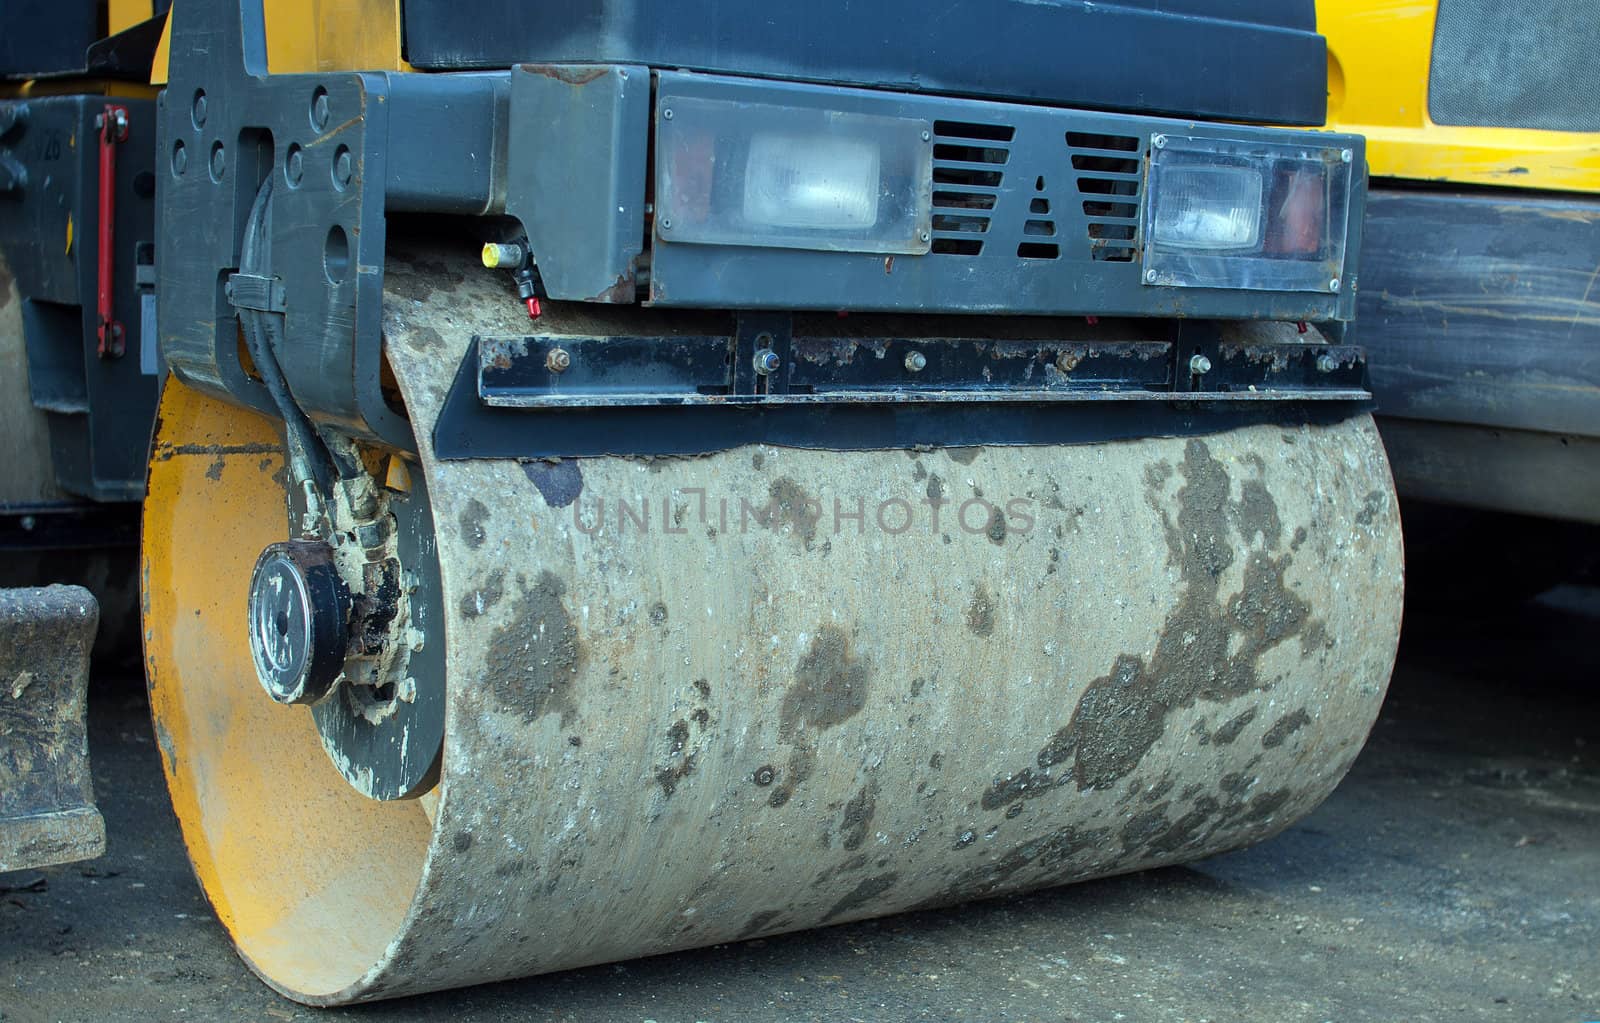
x,y
1455,875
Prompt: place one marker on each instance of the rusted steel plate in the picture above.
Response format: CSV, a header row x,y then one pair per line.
x,y
47,811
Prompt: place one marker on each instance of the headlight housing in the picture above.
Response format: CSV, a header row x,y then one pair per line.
x,y
732,173
1228,213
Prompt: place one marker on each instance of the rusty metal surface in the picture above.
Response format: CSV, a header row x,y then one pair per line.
x,y
24,434
667,728
47,811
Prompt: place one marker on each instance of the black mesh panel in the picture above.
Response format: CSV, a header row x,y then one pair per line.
x,y
1513,64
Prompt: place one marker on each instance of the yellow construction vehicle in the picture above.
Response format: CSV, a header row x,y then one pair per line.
x,y
636,476
1478,298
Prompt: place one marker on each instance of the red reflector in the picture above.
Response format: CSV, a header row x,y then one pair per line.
x,y
1297,212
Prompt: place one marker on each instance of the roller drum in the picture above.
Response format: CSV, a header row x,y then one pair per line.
x,y
697,700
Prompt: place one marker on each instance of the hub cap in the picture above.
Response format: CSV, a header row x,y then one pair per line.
x,y
298,612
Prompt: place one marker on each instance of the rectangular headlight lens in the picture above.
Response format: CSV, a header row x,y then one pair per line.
x,y
1207,208
811,183
731,173
1247,213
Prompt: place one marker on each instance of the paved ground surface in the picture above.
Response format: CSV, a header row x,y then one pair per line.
x,y
1454,876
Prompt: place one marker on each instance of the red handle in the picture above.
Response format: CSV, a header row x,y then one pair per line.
x,y
113,125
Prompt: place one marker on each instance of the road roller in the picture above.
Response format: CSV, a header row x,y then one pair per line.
x,y
631,477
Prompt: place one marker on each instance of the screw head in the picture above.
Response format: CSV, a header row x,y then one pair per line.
x,y
926,136
1326,363
1160,142
294,166
1345,156
1333,285
1199,365
557,360
926,236
344,167
1150,276
766,361
666,223
916,362
666,113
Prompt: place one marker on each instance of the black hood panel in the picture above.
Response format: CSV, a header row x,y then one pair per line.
x,y
1245,60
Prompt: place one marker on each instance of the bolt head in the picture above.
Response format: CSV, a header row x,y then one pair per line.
x,y
180,157
1199,365
1150,276
199,110
1160,142
557,360
1345,156
294,167
1326,363
219,161
766,361
344,167
916,362
319,110
1333,285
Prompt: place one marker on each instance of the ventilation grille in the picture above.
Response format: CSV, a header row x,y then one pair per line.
x,y
968,165
1107,169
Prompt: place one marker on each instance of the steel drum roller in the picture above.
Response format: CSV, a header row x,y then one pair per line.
x,y
670,727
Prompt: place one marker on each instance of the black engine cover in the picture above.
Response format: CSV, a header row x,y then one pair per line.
x,y
1246,60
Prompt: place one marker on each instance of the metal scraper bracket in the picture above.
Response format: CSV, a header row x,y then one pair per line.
x,y
543,396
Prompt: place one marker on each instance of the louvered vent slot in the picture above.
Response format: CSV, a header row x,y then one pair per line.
x,y
968,165
1108,169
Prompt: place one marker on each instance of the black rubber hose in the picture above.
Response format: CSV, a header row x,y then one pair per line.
x,y
262,336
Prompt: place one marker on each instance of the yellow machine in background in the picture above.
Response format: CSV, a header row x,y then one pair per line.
x,y
1480,286
1379,58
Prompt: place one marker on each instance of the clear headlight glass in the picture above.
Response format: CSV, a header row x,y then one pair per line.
x,y
730,173
812,183
1207,208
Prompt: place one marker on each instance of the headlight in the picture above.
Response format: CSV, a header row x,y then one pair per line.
x,y
811,183
1207,208
1235,213
730,173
